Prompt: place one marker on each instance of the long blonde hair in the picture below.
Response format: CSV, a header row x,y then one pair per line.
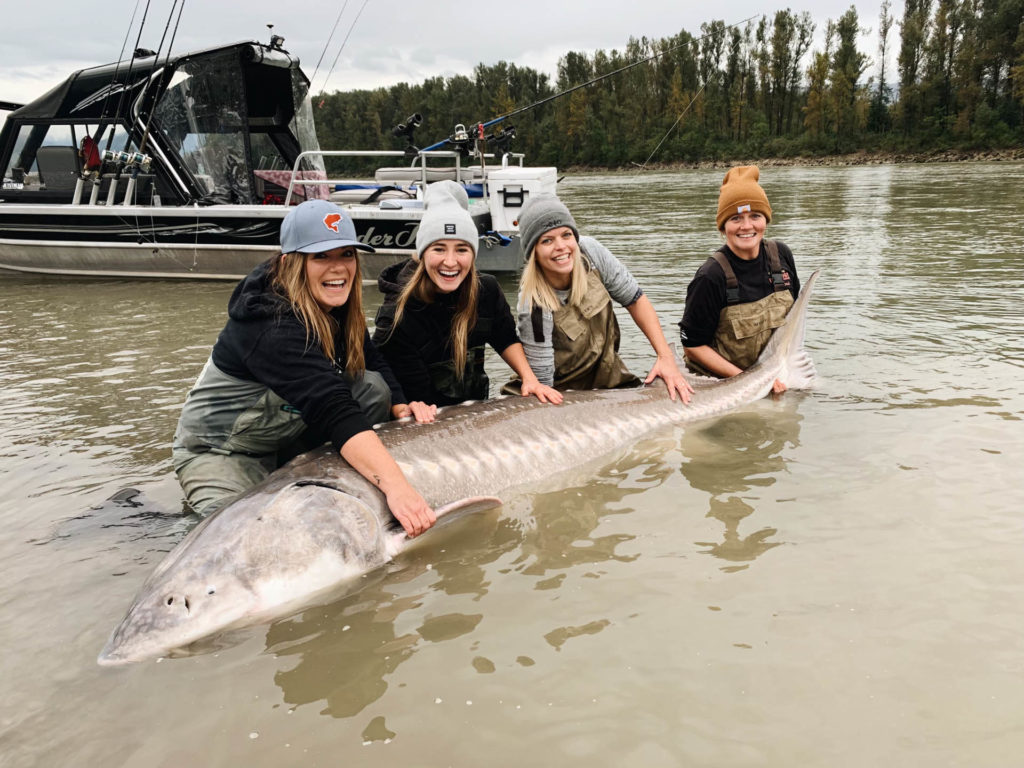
x,y
536,291
422,288
288,278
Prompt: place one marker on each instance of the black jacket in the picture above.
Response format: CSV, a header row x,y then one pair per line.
x,y
419,351
263,341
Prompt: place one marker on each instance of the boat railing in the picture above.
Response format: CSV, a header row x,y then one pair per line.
x,y
418,168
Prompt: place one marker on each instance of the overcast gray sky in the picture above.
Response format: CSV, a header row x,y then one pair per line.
x,y
391,41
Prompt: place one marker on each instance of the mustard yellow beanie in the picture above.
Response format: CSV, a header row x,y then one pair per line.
x,y
741,192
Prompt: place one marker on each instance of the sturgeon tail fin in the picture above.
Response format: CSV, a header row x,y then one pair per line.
x,y
797,370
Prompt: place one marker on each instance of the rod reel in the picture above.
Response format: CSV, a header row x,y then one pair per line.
x,y
127,160
407,129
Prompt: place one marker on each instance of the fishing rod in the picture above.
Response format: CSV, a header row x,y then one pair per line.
x,y
342,48
167,60
481,126
330,37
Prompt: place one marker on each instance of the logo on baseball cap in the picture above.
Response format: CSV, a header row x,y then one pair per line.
x,y
316,226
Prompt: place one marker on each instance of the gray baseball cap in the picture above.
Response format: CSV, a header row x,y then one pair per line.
x,y
316,226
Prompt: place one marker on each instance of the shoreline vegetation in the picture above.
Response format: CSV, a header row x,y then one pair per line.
x,y
849,159
948,87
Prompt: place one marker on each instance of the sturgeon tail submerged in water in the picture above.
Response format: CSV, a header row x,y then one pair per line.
x,y
316,522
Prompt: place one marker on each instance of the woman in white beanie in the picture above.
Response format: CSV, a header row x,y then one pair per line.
x,y
439,312
293,368
566,320
743,292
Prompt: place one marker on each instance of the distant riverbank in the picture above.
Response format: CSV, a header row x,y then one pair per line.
x,y
855,158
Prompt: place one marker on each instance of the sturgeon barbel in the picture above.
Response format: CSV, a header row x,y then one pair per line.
x,y
316,522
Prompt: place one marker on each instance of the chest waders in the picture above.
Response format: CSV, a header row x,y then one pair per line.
x,y
432,339
474,384
586,342
744,329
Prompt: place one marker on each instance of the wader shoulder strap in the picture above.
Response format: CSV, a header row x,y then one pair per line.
x,y
775,265
732,286
537,320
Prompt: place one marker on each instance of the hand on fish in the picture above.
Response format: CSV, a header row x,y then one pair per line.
x,y
423,413
411,510
666,368
542,392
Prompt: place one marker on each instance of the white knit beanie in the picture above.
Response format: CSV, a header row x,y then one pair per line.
x,y
446,217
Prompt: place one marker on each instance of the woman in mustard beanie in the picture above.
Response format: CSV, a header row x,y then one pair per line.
x,y
744,290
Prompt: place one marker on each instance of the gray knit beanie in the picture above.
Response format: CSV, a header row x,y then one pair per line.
x,y
541,213
446,217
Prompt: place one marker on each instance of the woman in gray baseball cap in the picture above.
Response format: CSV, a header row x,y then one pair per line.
x,y
566,320
293,368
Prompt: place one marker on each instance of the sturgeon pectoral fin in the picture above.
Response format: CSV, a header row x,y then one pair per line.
x,y
468,505
446,513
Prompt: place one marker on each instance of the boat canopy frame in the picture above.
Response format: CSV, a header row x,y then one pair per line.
x,y
204,148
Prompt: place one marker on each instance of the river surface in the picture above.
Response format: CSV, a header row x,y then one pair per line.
x,y
832,578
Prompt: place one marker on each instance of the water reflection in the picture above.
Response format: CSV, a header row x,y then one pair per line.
x,y
566,520
347,650
734,455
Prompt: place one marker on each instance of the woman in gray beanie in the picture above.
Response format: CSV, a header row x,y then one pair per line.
x,y
566,320
439,312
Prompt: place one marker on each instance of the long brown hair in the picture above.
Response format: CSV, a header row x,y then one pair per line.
x,y
422,288
288,278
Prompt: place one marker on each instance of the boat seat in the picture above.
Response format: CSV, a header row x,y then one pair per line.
x,y
363,194
404,175
59,167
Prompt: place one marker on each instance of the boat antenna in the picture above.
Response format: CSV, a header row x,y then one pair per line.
x,y
567,91
329,38
343,42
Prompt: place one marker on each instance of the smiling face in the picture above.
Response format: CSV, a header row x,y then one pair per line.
x,y
330,275
555,253
744,233
447,263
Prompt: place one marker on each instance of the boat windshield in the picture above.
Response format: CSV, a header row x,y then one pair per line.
x,y
238,126
202,114
302,124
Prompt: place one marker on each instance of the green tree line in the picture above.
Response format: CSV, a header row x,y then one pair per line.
x,y
756,90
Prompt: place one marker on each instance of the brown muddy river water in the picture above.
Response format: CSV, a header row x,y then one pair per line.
x,y
829,579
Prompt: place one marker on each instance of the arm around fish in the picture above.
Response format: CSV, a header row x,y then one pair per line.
x,y
646,319
368,456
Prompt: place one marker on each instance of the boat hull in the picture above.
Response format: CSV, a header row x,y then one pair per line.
x,y
197,243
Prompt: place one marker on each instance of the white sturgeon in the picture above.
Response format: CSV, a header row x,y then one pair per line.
x,y
316,522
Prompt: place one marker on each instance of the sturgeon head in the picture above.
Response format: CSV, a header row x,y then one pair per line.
x,y
249,560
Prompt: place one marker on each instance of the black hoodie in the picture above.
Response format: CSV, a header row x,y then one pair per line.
x,y
265,342
422,342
